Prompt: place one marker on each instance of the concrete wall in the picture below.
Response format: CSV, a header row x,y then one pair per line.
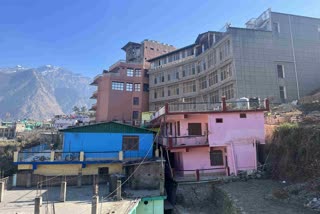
x,y
101,142
150,206
235,129
147,176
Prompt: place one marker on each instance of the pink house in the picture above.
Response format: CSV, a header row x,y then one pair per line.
x,y
212,139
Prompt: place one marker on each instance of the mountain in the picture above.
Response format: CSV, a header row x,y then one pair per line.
x,y
40,93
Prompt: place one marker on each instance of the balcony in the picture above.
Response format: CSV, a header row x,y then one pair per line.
x,y
95,80
209,107
94,95
58,157
93,107
185,141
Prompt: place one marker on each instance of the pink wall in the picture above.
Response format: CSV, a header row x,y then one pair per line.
x,y
235,129
196,158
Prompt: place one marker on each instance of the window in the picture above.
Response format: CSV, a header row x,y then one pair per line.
x,y
130,72
162,78
228,92
169,92
155,80
155,95
178,128
283,95
189,87
226,72
145,87
177,75
194,129
219,120
243,115
203,82
169,77
137,73
129,86
137,87
136,101
135,115
214,97
276,27
193,69
280,69
117,86
130,143
216,158
146,73
213,78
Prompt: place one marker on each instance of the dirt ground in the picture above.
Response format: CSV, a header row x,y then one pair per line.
x,y
255,196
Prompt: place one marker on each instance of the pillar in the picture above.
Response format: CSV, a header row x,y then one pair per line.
x,y
37,205
94,206
63,191
29,179
81,156
121,155
161,185
15,156
14,180
156,153
119,190
52,156
197,175
79,180
2,191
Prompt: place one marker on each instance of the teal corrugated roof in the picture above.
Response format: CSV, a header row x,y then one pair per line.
x,y
107,127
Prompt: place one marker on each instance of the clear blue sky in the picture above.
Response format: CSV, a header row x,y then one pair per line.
x,y
86,36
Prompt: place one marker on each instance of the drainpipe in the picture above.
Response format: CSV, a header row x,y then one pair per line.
x,y
234,160
294,57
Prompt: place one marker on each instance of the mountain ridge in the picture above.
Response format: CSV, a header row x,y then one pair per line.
x,y
42,92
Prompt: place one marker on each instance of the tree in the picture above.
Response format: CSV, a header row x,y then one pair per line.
x,y
75,109
83,109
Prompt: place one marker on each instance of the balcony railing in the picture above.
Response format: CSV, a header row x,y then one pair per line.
x,y
224,106
58,156
185,141
200,174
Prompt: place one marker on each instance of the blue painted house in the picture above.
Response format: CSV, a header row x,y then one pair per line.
x,y
89,149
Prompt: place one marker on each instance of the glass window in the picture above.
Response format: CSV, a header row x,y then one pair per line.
x,y
117,86
216,158
280,70
135,115
137,87
282,90
129,87
136,101
194,129
130,143
137,72
130,72
145,87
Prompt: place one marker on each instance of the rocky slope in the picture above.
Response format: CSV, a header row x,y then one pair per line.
x,y
40,93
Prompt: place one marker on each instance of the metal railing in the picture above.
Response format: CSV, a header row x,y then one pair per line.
x,y
183,141
98,156
194,107
200,174
34,156
129,155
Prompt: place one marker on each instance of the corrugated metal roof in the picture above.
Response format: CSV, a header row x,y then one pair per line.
x,y
107,127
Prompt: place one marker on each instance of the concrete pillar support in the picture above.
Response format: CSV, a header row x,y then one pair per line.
x,y
81,156
15,156
79,180
2,191
119,190
63,191
37,205
52,156
121,155
95,202
156,153
29,179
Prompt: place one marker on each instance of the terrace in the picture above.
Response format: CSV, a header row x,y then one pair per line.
x,y
209,107
58,157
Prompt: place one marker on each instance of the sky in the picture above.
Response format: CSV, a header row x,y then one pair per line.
x,y
86,36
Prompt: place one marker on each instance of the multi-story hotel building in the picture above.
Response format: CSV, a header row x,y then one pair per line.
x,y
122,92
277,56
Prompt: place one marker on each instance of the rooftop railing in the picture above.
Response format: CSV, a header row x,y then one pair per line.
x,y
253,104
